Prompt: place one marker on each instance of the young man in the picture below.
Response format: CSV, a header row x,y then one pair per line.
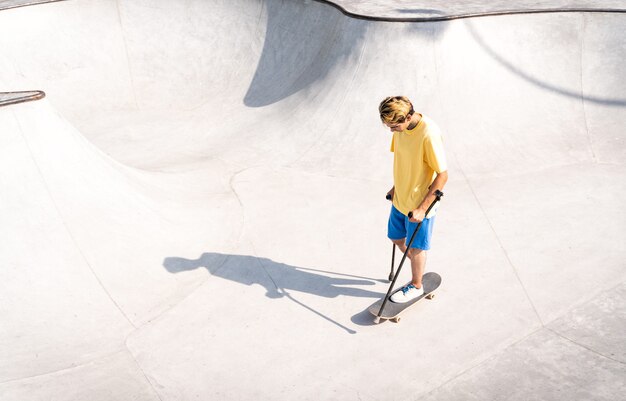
x,y
419,169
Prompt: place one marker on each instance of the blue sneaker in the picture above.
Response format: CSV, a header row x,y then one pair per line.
x,y
406,294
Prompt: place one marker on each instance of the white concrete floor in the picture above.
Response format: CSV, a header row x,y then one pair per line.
x,y
196,210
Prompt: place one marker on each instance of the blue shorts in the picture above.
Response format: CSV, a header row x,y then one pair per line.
x,y
400,227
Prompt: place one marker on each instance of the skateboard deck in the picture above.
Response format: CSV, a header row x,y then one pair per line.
x,y
431,281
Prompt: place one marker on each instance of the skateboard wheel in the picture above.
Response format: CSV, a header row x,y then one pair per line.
x,y
396,319
430,296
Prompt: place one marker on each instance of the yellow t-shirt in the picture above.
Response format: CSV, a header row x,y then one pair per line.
x,y
418,155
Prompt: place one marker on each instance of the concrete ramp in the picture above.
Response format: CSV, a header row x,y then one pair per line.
x,y
196,209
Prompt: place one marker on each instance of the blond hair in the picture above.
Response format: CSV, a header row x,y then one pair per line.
x,y
395,110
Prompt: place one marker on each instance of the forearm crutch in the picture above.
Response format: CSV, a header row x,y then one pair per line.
x,y
438,196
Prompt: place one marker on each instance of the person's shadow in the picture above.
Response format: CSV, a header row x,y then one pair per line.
x,y
277,278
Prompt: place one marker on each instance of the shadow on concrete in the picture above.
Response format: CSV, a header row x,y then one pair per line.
x,y
509,65
278,279
365,318
303,43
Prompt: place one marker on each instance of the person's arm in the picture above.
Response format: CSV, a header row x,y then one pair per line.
x,y
440,181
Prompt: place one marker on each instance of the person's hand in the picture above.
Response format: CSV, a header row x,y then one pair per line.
x,y
417,215
390,194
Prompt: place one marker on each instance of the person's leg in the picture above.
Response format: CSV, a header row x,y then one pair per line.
x,y
417,255
420,245
418,261
400,243
396,229
418,265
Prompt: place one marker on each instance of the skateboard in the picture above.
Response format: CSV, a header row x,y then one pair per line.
x,y
431,281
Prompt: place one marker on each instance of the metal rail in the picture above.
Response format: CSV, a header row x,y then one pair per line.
x,y
9,98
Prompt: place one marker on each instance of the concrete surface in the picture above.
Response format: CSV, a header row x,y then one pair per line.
x,y
196,209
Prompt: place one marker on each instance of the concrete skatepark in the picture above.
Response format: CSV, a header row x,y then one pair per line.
x,y
196,209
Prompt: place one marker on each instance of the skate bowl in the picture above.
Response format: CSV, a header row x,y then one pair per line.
x,y
196,208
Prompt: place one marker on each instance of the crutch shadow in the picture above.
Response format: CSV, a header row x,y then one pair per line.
x,y
278,279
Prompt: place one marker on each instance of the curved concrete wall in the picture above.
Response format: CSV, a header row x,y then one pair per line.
x,y
188,153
